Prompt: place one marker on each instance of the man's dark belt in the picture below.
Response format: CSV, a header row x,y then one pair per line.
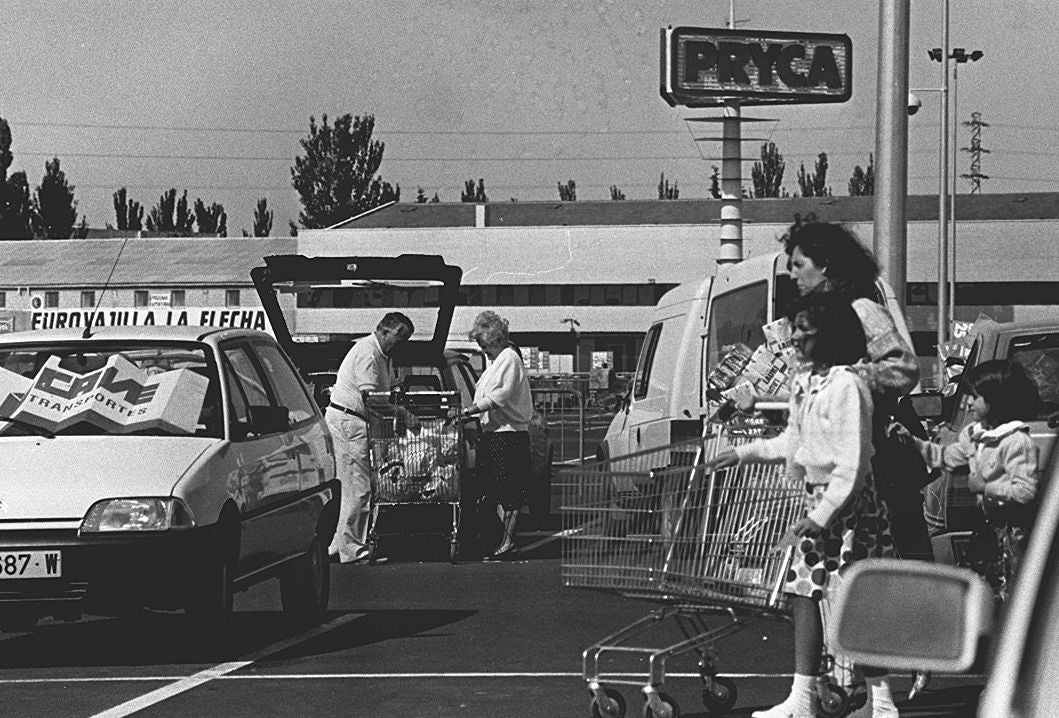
x,y
346,410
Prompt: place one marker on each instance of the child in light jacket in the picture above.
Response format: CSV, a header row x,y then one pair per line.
x,y
1001,457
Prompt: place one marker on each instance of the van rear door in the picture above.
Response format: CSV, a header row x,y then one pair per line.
x,y
746,297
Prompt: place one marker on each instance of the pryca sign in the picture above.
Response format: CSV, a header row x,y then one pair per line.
x,y
704,67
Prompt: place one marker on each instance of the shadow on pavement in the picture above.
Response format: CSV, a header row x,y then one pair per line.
x,y
374,626
165,639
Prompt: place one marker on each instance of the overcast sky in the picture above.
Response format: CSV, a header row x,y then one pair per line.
x,y
522,93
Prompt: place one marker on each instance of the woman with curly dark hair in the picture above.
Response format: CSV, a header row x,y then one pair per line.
x,y
828,258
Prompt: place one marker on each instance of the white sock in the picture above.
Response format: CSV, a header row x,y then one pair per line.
x,y
798,703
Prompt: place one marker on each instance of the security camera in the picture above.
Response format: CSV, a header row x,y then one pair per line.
x,y
914,103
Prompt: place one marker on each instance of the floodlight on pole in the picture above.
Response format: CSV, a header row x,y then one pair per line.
x,y
947,254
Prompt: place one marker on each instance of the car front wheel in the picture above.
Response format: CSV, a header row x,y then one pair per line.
x,y
305,587
210,608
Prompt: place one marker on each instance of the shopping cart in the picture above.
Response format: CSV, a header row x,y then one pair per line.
x,y
656,526
418,455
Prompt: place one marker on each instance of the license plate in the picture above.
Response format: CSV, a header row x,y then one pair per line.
x,y
31,564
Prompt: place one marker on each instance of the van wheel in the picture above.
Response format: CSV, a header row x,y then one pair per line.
x,y
305,588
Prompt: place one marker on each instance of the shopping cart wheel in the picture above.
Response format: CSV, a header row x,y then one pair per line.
x,y
831,700
719,694
611,705
454,551
666,707
373,553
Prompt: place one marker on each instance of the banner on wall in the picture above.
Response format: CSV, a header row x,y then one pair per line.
x,y
234,317
118,397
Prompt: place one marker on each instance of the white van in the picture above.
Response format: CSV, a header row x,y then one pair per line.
x,y
694,325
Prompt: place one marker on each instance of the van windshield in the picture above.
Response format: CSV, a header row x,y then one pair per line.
x,y
147,389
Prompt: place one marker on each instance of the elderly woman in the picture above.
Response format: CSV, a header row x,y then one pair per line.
x,y
503,403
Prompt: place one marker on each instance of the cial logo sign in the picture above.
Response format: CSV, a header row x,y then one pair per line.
x,y
703,67
119,397
236,318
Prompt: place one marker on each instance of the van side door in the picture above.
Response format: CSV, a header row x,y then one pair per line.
x,y
647,398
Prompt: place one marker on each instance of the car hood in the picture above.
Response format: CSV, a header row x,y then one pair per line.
x,y
285,272
61,478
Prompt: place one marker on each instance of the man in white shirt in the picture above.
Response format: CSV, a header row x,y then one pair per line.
x,y
366,367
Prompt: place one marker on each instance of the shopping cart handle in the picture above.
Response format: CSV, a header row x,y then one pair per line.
x,y
770,405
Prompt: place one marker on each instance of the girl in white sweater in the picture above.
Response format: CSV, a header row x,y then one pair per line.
x,y
828,448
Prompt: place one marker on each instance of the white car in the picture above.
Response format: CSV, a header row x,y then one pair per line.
x,y
160,468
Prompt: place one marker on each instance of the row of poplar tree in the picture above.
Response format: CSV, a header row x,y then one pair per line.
x,y
336,176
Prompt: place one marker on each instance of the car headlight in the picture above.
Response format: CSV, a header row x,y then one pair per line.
x,y
138,514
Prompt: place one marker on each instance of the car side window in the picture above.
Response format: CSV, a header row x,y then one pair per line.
x,y
1039,356
285,385
467,383
246,387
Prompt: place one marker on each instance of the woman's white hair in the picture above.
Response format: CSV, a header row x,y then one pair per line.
x,y
490,328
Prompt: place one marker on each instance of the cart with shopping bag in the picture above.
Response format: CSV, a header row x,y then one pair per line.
x,y
418,457
655,525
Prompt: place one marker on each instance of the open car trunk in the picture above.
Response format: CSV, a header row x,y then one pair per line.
x,y
348,296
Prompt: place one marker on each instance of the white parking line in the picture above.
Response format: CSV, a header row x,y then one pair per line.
x,y
219,671
543,675
547,540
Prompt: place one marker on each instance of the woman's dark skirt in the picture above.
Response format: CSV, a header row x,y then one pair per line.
x,y
505,467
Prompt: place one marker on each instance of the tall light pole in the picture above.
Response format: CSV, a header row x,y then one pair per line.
x,y
890,235
959,56
941,54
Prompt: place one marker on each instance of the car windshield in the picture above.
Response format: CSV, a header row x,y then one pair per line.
x,y
142,388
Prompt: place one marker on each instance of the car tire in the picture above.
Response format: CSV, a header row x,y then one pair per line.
x,y
211,602
305,587
211,605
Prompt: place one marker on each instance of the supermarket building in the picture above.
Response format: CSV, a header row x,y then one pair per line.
x,y
578,280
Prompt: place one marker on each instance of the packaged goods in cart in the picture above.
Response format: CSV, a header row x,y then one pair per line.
x,y
778,338
766,370
730,367
421,462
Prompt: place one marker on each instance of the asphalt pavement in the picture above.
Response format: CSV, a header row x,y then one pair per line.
x,y
413,636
